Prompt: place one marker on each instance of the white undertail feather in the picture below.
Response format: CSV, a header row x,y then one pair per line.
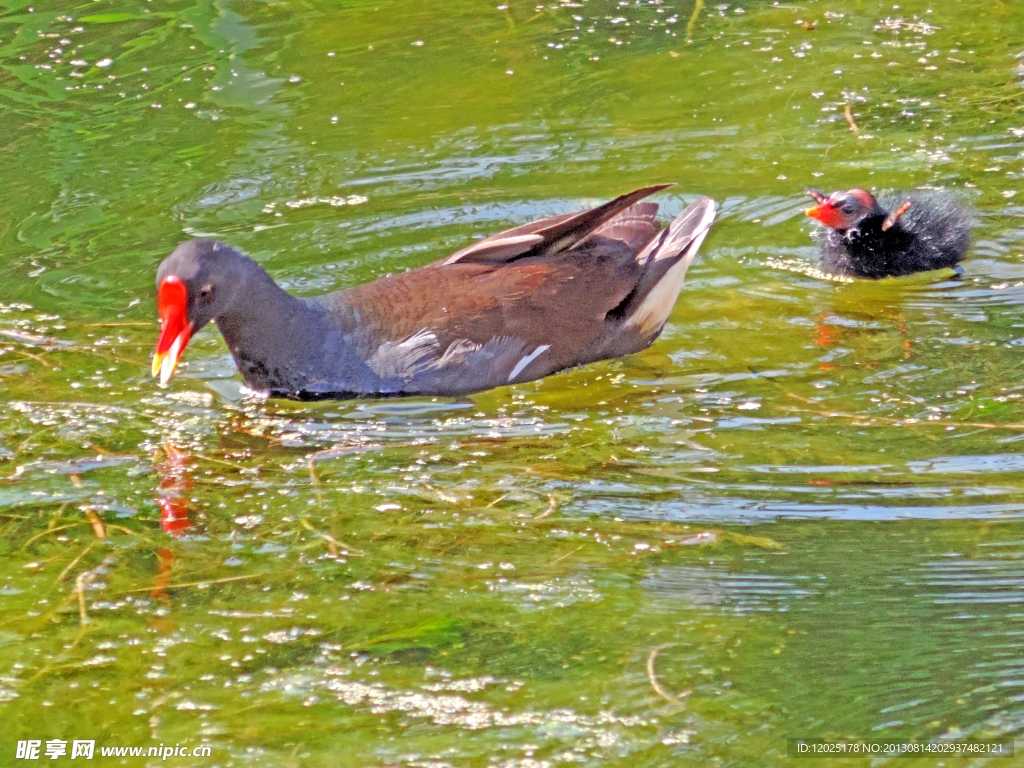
x,y
652,313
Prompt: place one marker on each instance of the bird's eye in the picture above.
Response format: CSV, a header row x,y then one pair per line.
x,y
848,210
206,291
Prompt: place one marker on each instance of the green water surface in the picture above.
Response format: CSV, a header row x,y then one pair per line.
x,y
799,514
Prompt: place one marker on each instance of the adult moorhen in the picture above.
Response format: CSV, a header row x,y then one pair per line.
x,y
513,307
901,235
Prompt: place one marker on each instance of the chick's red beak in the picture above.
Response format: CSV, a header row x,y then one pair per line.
x,y
828,214
175,330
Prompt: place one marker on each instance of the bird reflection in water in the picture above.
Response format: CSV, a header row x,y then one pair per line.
x,y
175,484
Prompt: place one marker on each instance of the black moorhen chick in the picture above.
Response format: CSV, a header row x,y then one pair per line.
x,y
513,307
903,234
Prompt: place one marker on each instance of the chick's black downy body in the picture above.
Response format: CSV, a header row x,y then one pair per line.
x,y
899,234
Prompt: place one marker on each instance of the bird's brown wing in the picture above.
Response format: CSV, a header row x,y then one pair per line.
x,y
557,300
549,236
509,308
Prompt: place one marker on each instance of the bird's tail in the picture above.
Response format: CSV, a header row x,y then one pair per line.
x,y
666,258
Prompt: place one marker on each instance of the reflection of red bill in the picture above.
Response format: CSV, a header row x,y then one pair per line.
x,y
174,515
175,330
165,562
174,485
823,335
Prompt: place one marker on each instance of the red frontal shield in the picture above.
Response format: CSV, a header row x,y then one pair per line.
x,y
175,330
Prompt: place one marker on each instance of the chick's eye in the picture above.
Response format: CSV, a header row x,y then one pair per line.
x,y
206,291
848,209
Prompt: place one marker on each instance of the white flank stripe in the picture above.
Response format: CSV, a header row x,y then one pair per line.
x,y
527,360
423,338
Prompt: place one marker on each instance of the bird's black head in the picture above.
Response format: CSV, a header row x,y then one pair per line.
x,y
197,283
